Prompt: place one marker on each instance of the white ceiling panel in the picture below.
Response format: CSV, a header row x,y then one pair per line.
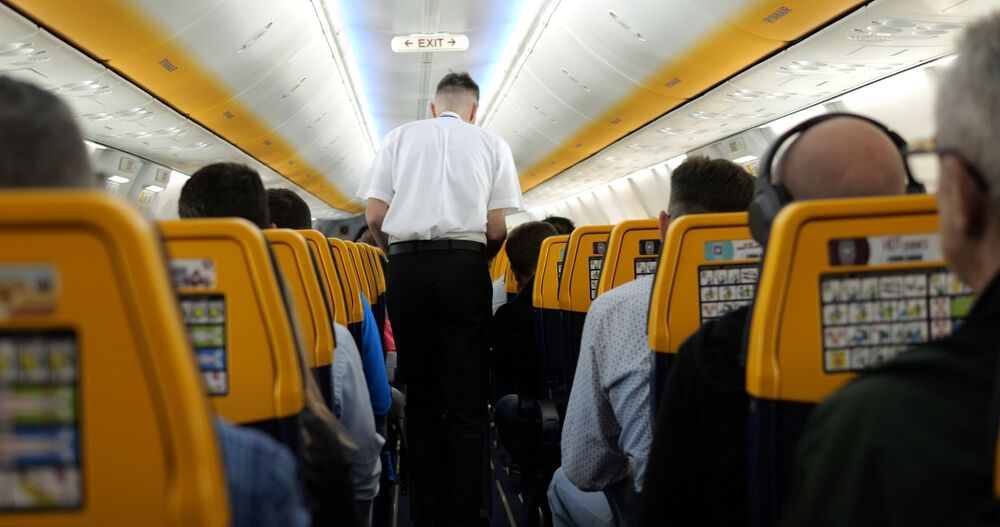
x,y
632,38
113,112
526,143
877,41
240,41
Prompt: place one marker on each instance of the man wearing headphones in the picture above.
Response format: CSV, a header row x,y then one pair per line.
x,y
913,441
697,472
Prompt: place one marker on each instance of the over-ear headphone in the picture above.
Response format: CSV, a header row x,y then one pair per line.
x,y
769,197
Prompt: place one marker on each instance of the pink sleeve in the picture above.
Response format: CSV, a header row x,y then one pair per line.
x,y
388,341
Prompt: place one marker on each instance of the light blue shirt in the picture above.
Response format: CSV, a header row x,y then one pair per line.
x,y
352,406
499,294
608,429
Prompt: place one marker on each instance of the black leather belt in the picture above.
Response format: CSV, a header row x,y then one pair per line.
x,y
434,245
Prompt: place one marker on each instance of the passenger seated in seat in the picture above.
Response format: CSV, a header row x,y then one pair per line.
x,y
388,340
562,226
292,210
233,190
512,354
351,402
909,443
41,147
607,433
697,470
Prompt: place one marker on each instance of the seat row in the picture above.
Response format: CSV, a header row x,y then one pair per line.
x,y
846,285
108,390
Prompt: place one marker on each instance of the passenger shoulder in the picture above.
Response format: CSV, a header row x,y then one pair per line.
x,y
894,387
636,291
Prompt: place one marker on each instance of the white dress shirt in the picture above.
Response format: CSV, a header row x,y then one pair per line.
x,y
440,177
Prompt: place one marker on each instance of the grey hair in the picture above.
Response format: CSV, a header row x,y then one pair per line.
x,y
40,142
968,108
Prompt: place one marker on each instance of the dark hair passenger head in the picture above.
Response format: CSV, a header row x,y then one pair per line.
x,y
562,225
225,190
288,210
523,244
701,185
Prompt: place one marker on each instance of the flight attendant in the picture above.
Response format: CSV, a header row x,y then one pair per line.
x,y
438,191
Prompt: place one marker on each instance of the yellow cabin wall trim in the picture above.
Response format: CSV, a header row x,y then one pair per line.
x,y
125,40
760,29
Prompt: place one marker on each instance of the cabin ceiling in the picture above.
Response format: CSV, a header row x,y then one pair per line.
x,y
584,91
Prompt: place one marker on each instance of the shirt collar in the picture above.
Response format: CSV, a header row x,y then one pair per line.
x,y
450,114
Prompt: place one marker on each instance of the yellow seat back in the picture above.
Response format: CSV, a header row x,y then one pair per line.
x,y
237,318
499,267
345,266
103,417
633,248
365,273
709,266
375,257
845,285
333,284
550,264
291,252
582,267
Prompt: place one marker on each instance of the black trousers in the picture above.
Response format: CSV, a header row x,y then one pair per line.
x,y
440,304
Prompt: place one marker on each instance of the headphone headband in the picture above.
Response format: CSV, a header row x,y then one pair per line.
x,y
770,197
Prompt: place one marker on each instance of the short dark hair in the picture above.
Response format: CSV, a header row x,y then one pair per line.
x,y
225,190
40,142
702,185
524,244
366,237
457,82
288,210
562,225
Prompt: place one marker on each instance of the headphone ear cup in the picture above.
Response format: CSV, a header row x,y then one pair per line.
x,y
764,207
767,202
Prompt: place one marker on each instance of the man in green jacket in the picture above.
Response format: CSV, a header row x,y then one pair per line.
x,y
912,442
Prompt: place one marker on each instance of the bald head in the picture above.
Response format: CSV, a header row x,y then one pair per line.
x,y
842,158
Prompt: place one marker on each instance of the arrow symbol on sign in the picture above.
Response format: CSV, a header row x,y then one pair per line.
x,y
452,42
408,43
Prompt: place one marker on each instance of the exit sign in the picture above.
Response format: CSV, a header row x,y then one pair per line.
x,y
427,42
